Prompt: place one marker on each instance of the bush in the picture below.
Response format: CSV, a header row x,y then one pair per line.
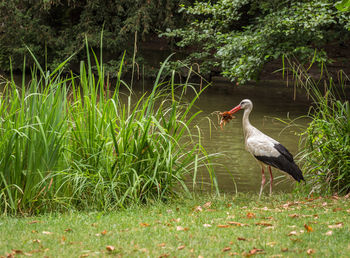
x,y
326,153
327,147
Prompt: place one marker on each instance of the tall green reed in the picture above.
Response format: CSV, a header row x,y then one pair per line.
x,y
72,142
326,150
33,128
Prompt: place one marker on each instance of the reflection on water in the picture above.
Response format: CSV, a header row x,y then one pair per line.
x,y
238,170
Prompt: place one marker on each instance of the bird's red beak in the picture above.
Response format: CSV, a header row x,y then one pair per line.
x,y
235,109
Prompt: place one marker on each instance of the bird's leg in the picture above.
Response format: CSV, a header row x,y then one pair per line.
x,y
262,180
271,180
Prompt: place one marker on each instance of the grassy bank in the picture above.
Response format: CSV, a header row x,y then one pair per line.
x,y
201,227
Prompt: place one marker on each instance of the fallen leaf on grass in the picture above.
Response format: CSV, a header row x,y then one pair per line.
x,y
250,215
144,250
335,197
223,226
256,250
103,233
241,239
63,239
293,215
284,250
329,233
37,241
179,228
292,233
310,251
308,228
16,251
207,205
263,224
110,248
181,247
39,250
161,245
163,255
34,222
337,209
198,209
337,225
68,230
143,224
287,205
237,223
226,249
271,244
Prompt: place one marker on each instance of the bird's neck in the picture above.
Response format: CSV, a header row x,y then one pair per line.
x,y
247,127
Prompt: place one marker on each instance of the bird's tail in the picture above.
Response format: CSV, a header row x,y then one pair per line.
x,y
295,172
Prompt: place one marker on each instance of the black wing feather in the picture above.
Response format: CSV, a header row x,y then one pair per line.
x,y
282,163
281,149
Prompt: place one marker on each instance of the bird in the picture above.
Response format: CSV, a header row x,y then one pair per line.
x,y
267,151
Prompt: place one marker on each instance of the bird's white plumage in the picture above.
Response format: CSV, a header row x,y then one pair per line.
x,y
261,146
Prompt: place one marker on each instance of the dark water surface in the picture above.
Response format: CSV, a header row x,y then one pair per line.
x,y
238,170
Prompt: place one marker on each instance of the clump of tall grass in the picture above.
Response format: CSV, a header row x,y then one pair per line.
x,y
326,150
72,142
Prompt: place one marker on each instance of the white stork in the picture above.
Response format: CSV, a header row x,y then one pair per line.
x,y
266,150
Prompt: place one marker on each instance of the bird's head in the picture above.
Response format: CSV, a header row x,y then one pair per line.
x,y
245,104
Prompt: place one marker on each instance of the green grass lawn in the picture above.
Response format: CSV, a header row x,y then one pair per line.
x,y
201,227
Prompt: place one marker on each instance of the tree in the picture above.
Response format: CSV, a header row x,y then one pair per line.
x,y
54,29
240,36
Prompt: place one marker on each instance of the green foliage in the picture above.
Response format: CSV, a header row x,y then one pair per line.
x,y
327,151
241,36
53,30
343,5
71,142
327,138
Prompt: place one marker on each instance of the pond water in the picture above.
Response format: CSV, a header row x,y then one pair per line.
x,y
238,170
